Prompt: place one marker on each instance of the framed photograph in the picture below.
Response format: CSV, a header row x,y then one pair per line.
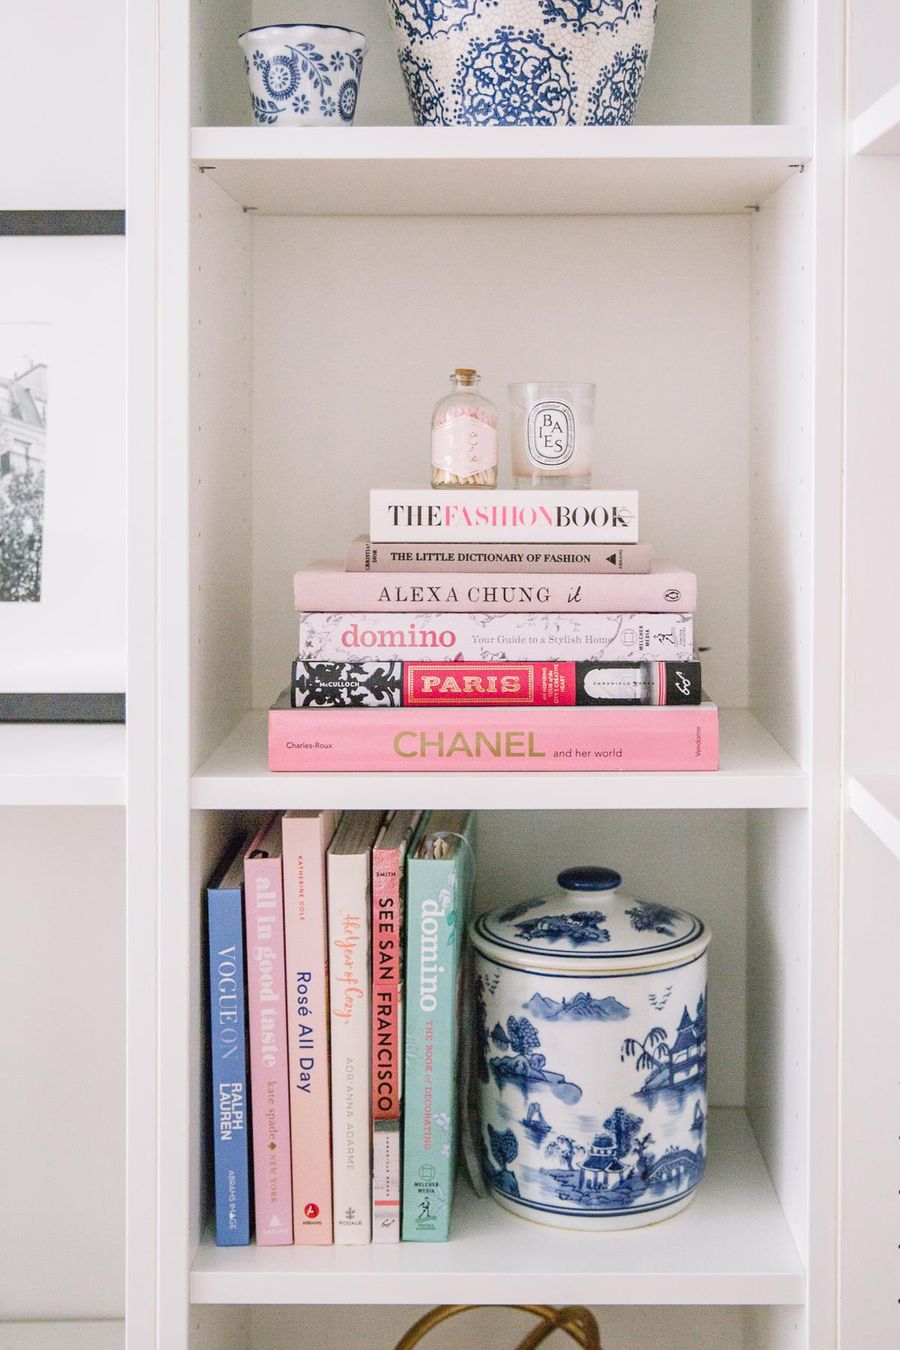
x,y
62,476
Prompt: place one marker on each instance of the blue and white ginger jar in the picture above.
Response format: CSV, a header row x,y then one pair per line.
x,y
591,1055
536,63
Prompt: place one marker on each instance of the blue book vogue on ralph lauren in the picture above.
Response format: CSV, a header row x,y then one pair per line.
x,y
228,1041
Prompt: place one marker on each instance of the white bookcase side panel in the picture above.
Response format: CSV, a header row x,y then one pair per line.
x,y
874,52
779,1019
781,437
220,468
783,45
873,468
870,1274
219,91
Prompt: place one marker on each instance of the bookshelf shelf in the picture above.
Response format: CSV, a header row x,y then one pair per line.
x,y
731,1246
62,765
500,171
875,799
876,131
755,773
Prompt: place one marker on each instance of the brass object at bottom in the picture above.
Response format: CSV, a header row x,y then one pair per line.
x,y
576,1322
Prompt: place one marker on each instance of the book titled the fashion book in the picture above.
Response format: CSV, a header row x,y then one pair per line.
x,y
349,976
440,872
466,740
267,1033
665,589
365,555
495,637
493,684
413,515
228,1031
306,836
388,906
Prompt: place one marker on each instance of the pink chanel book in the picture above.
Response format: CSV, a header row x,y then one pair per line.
x,y
267,1022
306,836
467,740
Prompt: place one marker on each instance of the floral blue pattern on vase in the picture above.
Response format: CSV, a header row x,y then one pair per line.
x,y
596,14
514,78
303,74
522,62
613,98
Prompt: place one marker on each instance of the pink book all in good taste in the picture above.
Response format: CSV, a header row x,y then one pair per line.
x,y
267,1024
481,739
664,589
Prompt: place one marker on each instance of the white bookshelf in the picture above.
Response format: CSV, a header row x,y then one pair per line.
x,y
734,1247
60,764
441,171
754,773
309,291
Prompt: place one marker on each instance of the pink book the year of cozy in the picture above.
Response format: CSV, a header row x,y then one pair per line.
x,y
267,1022
477,739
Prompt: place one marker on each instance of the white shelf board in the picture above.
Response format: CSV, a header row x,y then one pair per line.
x,y
731,1246
877,130
62,764
500,170
754,772
875,798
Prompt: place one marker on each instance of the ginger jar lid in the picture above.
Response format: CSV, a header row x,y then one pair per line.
x,y
590,925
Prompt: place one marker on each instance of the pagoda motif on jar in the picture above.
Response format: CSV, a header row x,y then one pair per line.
x,y
591,1054
523,62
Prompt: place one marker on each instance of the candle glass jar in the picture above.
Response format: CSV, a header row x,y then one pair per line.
x,y
552,434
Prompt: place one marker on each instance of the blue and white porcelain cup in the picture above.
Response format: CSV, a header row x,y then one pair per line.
x,y
590,1054
303,74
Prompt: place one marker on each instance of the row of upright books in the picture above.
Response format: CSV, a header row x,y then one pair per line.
x,y
333,1095
501,630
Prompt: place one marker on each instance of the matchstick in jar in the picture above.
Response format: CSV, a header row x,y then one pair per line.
x,y
464,436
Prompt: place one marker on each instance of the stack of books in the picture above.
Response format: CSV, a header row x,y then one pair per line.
x,y
323,1076
501,630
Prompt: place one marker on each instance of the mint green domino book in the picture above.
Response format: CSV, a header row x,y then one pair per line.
x,y
439,875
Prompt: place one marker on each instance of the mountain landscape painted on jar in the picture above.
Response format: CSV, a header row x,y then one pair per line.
x,y
582,1008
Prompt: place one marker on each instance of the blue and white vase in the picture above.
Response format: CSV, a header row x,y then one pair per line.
x,y
523,62
303,74
590,1055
